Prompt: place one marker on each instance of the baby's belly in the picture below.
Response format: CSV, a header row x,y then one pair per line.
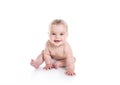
x,y
57,57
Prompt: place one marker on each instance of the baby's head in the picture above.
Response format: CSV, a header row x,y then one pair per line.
x,y
58,32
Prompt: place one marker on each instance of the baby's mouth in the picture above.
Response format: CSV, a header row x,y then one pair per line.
x,y
56,41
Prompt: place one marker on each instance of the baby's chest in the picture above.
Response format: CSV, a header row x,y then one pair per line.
x,y
57,52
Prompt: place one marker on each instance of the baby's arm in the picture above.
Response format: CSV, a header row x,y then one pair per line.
x,y
44,56
48,62
70,66
47,58
70,60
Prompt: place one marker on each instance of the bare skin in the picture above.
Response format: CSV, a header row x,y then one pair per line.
x,y
56,49
60,59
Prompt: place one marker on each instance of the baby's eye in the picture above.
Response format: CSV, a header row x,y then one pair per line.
x,y
53,34
61,34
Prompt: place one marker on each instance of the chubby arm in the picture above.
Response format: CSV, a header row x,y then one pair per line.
x,y
70,60
47,57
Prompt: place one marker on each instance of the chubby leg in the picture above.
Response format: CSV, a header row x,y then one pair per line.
x,y
59,63
39,60
70,66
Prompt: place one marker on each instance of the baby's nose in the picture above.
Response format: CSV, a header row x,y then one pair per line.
x,y
57,36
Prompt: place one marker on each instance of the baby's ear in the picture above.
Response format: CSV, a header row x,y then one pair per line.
x,y
48,33
67,33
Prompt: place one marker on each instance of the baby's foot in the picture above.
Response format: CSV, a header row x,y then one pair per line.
x,y
34,64
55,65
48,66
70,72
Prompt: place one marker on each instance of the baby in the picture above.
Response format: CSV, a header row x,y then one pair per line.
x,y
57,52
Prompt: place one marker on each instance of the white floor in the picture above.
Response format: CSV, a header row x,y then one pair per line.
x,y
16,70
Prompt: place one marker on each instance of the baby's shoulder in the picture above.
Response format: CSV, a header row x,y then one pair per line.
x,y
47,42
68,49
67,45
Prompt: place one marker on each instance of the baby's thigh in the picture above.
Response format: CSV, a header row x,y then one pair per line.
x,y
60,62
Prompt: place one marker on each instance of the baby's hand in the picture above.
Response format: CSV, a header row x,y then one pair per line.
x,y
48,66
70,72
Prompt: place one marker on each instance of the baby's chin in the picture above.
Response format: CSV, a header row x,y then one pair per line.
x,y
57,44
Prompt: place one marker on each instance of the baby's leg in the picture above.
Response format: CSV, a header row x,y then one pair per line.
x,y
59,63
39,60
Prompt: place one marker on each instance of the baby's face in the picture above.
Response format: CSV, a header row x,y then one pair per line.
x,y
58,34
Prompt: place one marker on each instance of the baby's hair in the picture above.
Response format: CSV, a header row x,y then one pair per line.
x,y
59,22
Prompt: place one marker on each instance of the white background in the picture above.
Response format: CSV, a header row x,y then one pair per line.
x,y
94,34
